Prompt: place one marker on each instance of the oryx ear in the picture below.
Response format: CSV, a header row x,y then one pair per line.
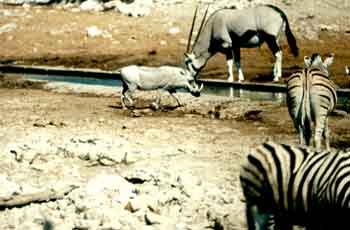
x,y
307,61
328,61
186,55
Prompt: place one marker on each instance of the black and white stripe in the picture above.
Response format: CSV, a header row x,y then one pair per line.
x,y
295,186
311,97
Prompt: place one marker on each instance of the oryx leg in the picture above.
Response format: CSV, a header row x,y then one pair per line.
x,y
229,64
172,93
156,103
272,43
237,54
127,95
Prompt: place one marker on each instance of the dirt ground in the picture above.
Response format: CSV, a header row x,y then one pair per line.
x,y
207,138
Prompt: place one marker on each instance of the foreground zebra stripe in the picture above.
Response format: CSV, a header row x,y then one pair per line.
x,y
311,97
295,186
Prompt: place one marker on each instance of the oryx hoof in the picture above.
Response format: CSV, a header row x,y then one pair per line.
x,y
155,106
181,105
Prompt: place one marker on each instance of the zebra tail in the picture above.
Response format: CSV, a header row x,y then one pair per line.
x,y
292,42
306,107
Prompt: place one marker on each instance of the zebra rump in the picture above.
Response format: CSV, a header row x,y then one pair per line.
x,y
291,185
311,97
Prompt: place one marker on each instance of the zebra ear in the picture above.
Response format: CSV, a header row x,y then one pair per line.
x,y
328,61
307,61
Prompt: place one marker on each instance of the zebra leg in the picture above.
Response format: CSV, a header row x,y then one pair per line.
x,y
237,53
307,132
322,131
318,137
281,224
302,140
257,220
326,135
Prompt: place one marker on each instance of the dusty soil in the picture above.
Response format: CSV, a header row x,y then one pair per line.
x,y
58,37
205,140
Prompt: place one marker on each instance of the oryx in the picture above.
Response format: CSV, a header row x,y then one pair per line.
x,y
227,30
167,78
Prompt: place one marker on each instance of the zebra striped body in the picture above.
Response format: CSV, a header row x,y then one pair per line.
x,y
311,97
294,186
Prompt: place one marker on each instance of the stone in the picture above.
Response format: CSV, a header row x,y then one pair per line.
x,y
93,31
135,9
174,30
91,5
8,27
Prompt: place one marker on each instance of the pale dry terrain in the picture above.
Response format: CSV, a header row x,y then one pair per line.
x,y
176,168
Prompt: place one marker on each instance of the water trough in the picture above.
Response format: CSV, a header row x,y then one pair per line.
x,y
255,91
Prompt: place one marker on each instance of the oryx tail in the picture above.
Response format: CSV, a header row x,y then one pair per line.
x,y
292,42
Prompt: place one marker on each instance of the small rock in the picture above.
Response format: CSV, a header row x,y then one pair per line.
x,y
91,5
152,219
7,187
8,27
135,9
93,31
174,30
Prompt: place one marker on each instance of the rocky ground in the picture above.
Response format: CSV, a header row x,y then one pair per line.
x,y
97,166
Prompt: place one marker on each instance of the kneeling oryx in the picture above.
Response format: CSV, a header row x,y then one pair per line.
x,y
227,30
167,78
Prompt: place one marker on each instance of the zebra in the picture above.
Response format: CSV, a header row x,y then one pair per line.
x,y
311,97
289,185
227,30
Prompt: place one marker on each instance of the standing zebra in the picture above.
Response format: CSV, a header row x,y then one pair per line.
x,y
311,97
293,186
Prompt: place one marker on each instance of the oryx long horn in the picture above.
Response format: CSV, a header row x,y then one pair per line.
x,y
201,87
202,24
191,31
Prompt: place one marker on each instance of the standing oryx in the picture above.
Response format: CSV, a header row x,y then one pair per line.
x,y
311,97
167,78
227,30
